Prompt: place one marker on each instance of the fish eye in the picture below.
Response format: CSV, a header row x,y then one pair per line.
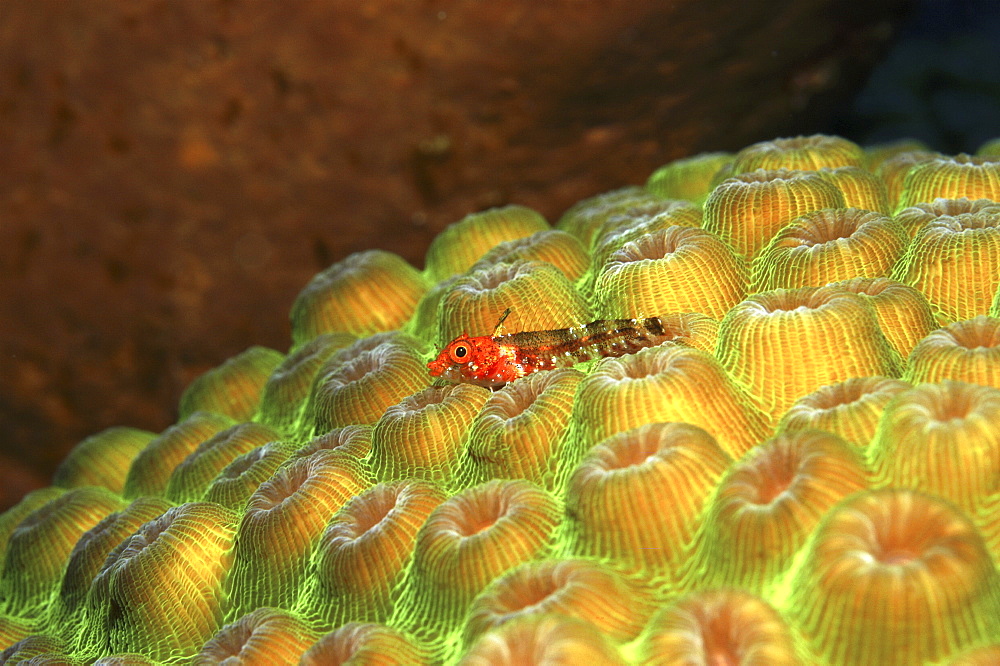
x,y
460,353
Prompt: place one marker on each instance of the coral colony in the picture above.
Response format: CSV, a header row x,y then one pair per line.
x,y
777,442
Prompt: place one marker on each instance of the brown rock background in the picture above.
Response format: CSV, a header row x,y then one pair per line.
x,y
172,173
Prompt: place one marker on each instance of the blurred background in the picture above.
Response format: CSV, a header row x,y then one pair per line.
x,y
173,173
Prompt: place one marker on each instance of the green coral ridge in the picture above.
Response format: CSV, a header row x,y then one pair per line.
x,y
771,486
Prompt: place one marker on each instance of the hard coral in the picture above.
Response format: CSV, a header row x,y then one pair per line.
x,y
345,506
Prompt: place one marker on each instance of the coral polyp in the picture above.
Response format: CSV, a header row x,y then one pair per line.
x,y
360,559
688,178
903,313
955,261
281,524
186,548
365,643
356,385
192,476
264,636
800,152
38,548
539,295
746,413
153,466
952,177
861,188
234,388
585,218
283,398
365,293
941,438
424,435
521,431
851,409
719,626
543,639
465,543
671,382
66,613
677,269
462,244
886,566
776,343
613,495
829,245
102,459
965,351
618,230
916,217
748,209
584,589
768,503
562,250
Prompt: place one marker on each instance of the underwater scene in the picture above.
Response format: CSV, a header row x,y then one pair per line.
x,y
698,399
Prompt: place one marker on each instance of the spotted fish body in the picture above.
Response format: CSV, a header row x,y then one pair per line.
x,y
493,361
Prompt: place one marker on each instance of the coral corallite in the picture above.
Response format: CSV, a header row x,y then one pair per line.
x,y
459,246
360,559
800,152
186,550
281,524
804,470
38,548
260,638
748,209
637,497
768,503
520,432
233,389
467,541
903,313
102,459
356,386
944,439
364,643
677,269
542,639
945,177
851,409
785,343
894,577
719,627
667,383
539,295
829,245
365,293
965,351
424,435
955,262
585,589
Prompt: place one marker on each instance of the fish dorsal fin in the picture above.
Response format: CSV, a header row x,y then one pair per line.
x,y
503,317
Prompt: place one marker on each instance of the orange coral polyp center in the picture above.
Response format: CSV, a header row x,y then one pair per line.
x,y
526,596
898,556
957,408
371,514
280,489
770,488
640,453
479,518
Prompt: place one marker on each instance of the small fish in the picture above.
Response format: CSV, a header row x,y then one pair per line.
x,y
494,360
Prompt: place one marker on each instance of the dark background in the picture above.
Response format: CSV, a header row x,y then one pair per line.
x,y
172,173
